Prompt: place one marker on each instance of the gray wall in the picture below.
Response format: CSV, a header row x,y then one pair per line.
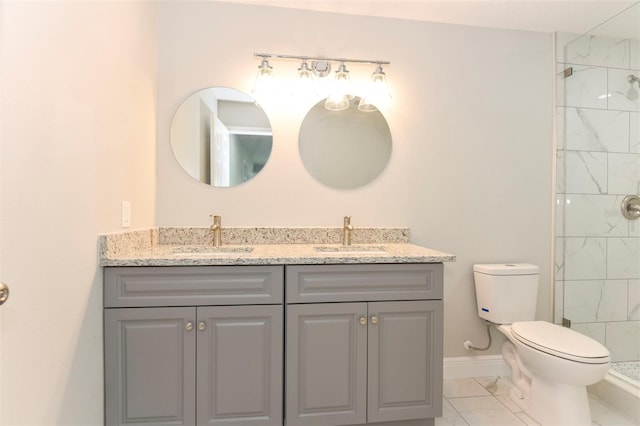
x,y
471,119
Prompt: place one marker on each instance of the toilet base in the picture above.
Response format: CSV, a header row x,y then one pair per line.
x,y
553,404
548,402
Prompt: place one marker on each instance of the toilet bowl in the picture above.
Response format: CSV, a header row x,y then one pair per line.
x,y
551,366
554,365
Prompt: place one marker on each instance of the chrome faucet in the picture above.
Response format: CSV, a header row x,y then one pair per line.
x,y
346,231
216,230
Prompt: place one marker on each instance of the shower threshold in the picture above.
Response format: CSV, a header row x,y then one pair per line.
x,y
629,369
619,391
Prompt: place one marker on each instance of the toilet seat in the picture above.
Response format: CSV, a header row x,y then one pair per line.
x,y
560,341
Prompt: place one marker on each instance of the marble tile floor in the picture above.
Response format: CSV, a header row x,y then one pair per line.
x,y
484,401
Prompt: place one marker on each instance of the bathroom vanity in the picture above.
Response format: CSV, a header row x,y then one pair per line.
x,y
274,334
363,343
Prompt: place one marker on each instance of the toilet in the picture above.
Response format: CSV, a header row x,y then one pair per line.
x,y
551,366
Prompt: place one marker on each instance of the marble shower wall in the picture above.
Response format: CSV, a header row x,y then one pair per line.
x,y
598,164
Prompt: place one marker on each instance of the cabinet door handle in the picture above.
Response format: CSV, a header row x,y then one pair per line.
x,y
374,319
189,326
202,325
363,320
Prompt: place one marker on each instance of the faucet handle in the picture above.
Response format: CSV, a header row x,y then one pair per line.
x,y
216,229
346,231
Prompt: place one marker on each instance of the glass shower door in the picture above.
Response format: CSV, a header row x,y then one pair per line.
x,y
597,248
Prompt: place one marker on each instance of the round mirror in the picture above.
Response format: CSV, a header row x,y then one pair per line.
x,y
344,149
221,137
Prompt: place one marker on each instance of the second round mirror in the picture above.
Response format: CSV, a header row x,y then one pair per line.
x,y
344,149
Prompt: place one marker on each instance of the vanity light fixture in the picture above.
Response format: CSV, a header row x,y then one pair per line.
x,y
304,73
321,68
263,86
378,92
341,92
304,82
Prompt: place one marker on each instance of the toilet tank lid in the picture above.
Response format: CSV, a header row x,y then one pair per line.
x,y
507,269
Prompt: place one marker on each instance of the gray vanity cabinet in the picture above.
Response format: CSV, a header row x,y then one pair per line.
x,y
239,365
404,360
150,367
193,345
374,354
326,370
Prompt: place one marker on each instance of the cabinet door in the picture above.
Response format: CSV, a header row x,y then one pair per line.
x,y
149,366
326,364
405,360
240,365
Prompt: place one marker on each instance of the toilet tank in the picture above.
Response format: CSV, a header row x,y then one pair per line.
x,y
506,293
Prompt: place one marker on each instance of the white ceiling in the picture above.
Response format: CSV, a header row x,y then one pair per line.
x,y
574,16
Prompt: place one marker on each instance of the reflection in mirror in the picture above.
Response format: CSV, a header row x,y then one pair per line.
x,y
344,149
221,137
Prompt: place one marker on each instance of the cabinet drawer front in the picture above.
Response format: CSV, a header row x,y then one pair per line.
x,y
371,282
192,285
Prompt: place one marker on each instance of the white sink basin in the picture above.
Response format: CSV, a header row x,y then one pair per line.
x,y
350,249
206,251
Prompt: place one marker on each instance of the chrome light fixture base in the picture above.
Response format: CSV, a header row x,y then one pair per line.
x,y
321,68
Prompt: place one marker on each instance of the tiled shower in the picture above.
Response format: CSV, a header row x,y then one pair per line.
x,y
597,249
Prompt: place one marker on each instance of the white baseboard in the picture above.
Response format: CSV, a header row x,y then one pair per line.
x,y
475,366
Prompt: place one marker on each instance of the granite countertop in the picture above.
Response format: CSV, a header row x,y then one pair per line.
x,y
277,254
185,247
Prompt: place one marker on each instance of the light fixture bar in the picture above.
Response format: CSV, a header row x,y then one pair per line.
x,y
320,58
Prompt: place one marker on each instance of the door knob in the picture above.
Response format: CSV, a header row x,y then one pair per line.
x,y
363,320
4,293
374,319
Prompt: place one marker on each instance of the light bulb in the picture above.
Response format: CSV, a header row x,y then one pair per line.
x,y
340,94
377,93
263,87
336,103
304,85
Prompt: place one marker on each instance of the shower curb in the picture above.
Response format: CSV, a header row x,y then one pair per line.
x,y
623,396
